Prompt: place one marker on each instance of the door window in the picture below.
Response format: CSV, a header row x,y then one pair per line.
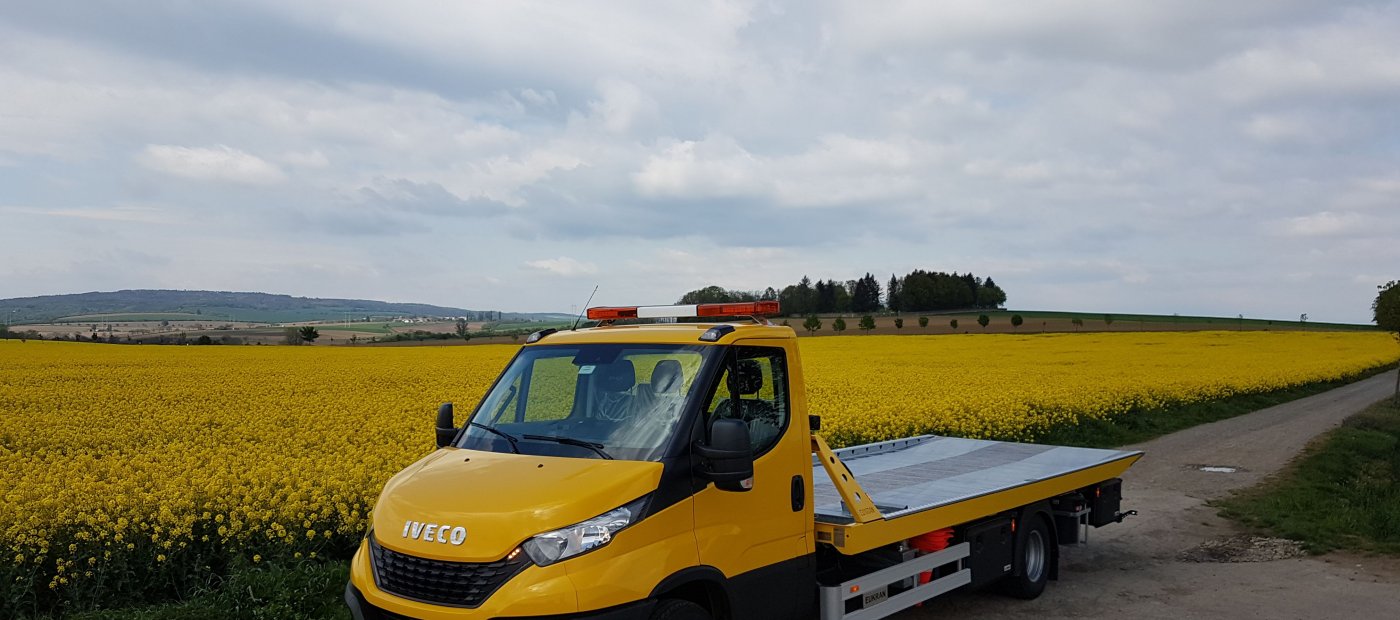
x,y
753,388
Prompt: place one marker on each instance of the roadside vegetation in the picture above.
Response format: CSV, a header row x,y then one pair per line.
x,y
305,590
1143,425
1342,493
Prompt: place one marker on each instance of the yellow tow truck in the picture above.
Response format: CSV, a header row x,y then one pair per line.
x,y
673,471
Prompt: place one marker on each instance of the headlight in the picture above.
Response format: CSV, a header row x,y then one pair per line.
x,y
567,542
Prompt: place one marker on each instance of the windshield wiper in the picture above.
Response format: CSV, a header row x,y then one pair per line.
x,y
509,437
596,447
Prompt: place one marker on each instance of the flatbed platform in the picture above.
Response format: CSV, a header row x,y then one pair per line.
x,y
926,473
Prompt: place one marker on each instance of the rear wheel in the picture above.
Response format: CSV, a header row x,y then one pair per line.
x,y
1034,560
676,609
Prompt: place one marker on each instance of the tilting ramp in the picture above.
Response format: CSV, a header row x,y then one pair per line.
x,y
908,476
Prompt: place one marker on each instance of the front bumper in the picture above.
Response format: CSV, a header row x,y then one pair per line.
x,y
614,582
360,609
536,591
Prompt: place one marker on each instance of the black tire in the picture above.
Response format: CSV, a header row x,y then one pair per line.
x,y
1035,553
677,609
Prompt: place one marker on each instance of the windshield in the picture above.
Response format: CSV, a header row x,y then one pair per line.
x,y
592,401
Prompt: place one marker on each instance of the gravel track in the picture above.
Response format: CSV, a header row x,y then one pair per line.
x,y
1178,559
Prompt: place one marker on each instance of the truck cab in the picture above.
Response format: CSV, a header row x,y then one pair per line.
x,y
640,471
578,484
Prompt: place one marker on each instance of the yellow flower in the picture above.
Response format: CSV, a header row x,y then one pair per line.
x,y
239,444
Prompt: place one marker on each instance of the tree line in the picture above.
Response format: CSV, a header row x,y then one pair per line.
x,y
917,291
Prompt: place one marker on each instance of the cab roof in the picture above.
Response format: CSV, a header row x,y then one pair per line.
x,y
664,333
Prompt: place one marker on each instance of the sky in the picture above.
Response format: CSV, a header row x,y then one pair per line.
x,y
1192,157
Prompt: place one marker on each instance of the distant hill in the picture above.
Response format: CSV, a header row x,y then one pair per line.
x,y
133,305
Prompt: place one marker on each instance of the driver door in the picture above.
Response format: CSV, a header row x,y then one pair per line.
x,y
757,538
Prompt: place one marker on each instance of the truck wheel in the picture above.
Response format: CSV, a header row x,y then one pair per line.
x,y
1034,561
676,609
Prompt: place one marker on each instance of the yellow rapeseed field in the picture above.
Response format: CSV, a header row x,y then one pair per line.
x,y
130,465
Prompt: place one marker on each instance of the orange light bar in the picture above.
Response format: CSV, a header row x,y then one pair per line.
x,y
750,308
753,308
612,314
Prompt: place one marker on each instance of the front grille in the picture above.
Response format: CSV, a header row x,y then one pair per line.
x,y
460,584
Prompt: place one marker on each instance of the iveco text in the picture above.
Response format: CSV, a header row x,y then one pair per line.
x,y
433,531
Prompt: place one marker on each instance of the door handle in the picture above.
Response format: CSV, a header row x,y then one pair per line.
x,y
799,493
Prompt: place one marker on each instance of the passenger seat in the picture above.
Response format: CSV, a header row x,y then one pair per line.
x,y
663,398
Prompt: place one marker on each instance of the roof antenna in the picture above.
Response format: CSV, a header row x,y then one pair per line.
x,y
585,308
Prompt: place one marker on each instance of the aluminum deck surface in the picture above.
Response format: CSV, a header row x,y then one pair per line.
x,y
911,475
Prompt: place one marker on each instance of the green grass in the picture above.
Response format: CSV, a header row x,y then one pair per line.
x,y
1139,426
1125,321
133,317
220,314
305,591
1094,321
525,327
1342,493
366,328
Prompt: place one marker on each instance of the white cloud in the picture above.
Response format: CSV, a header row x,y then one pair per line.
x,y
838,170
541,98
136,214
1007,171
563,266
714,167
1323,224
621,105
487,138
305,159
217,163
1334,60
501,177
1277,128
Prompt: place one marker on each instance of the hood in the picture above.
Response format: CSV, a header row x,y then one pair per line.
x,y
498,500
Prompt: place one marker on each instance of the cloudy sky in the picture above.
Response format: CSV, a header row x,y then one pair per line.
x,y
1193,156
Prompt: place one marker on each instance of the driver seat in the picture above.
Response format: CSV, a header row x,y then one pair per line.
x,y
760,415
612,391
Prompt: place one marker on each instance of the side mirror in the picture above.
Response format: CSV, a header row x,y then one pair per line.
x,y
446,428
729,456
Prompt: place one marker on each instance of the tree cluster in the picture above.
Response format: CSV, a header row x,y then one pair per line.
x,y
916,291
720,295
925,290
1385,311
827,296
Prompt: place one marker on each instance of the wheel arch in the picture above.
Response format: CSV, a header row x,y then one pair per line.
x,y
705,586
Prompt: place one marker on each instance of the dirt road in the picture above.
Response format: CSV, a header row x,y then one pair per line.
x,y
1149,566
